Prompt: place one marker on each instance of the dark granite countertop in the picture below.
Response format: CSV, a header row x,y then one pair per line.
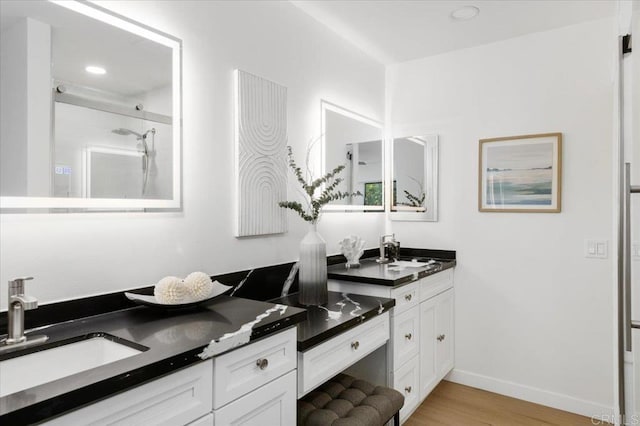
x,y
342,312
371,272
175,340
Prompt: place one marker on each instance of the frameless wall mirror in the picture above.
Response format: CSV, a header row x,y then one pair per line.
x,y
415,178
90,109
357,142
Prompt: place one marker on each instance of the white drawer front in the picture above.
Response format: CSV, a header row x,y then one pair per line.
x,y
203,421
406,335
406,297
274,404
240,371
178,398
359,288
406,381
322,362
435,284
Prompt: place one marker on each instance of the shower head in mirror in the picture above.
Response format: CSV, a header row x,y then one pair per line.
x,y
125,132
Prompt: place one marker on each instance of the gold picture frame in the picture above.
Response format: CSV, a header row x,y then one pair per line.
x,y
520,174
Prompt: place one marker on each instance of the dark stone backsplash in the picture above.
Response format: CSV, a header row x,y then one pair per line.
x,y
265,283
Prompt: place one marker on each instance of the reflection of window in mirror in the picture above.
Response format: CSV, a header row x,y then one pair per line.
x,y
354,141
414,171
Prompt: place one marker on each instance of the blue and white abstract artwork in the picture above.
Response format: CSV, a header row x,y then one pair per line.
x,y
521,173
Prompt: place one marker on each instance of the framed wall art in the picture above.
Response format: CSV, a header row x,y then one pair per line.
x,y
260,149
520,174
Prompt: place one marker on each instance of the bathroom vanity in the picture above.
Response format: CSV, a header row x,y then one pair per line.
x,y
338,334
421,349
176,376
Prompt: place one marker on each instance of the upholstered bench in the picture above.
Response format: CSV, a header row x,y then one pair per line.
x,y
347,401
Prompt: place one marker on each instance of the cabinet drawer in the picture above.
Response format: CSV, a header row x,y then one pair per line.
x,y
406,381
406,336
242,370
406,297
320,363
274,404
203,421
435,284
178,398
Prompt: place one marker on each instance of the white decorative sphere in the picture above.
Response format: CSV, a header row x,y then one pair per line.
x,y
171,291
199,285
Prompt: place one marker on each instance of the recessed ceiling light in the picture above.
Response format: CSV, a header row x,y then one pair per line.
x,y
92,69
465,13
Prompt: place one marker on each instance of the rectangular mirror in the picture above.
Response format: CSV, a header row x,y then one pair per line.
x,y
90,114
415,178
357,142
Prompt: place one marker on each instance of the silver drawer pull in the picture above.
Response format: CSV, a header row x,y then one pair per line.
x,y
355,345
408,336
262,363
407,389
408,297
441,337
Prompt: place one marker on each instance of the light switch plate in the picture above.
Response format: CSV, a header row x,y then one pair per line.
x,y
596,249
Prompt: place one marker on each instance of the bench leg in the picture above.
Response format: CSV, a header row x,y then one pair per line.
x,y
396,419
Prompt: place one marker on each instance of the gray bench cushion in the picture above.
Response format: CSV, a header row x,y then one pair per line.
x,y
347,401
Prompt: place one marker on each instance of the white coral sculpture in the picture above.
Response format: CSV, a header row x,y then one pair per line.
x,y
352,247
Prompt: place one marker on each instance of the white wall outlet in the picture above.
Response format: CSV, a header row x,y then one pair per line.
x,y
596,249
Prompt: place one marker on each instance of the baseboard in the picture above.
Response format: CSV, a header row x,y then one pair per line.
x,y
539,396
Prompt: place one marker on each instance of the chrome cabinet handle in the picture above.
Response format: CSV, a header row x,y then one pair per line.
x,y
355,345
262,363
408,336
441,337
407,389
408,297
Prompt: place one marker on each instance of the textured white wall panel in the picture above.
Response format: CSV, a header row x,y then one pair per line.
x,y
261,140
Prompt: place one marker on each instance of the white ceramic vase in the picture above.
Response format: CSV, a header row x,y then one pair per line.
x,y
312,274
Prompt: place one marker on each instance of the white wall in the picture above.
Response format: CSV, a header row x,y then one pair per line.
x,y
533,315
26,109
13,110
74,255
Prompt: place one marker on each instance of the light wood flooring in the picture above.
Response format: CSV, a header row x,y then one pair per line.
x,y
459,405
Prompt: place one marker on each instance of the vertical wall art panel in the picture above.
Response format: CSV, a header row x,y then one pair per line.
x,y
261,140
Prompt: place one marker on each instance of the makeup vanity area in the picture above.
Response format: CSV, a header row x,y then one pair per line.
x,y
420,352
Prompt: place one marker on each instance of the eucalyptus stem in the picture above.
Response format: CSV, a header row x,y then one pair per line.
x,y
327,186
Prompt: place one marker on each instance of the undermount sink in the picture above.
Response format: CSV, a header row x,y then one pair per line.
x,y
409,264
61,359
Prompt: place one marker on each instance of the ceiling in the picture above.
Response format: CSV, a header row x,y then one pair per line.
x,y
134,65
398,31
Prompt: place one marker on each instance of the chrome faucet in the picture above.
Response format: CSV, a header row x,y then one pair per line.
x,y
387,241
17,304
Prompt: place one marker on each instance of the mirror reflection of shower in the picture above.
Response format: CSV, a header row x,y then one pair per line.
x,y
143,148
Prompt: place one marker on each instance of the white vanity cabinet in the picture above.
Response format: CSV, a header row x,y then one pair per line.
x,y
272,404
436,340
421,352
252,385
175,399
256,384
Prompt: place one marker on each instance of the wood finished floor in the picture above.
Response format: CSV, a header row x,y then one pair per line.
x,y
459,405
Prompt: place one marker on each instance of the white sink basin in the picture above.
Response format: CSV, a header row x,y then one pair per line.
x,y
36,368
